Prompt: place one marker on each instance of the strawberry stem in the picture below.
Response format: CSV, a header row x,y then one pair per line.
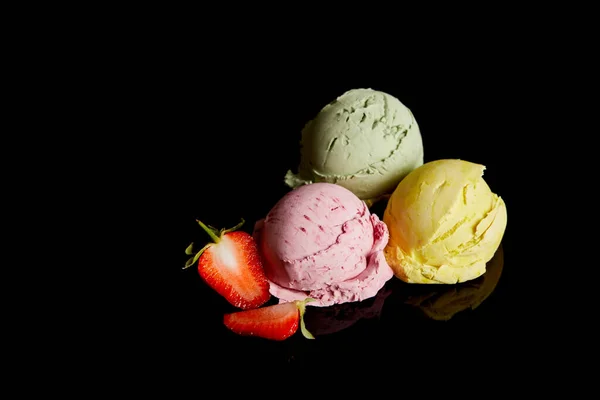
x,y
210,232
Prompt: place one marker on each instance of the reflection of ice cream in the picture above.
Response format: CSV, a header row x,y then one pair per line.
x,y
326,320
445,223
365,140
443,302
321,241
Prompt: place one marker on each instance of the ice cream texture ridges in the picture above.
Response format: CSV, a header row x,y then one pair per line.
x,y
445,223
365,140
321,241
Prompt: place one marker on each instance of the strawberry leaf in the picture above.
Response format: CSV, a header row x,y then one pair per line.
x,y
238,226
302,307
212,228
191,261
190,249
214,235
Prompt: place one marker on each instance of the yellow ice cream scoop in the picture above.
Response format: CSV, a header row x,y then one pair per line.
x,y
445,223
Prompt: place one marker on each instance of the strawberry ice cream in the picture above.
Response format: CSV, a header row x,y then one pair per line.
x,y
321,241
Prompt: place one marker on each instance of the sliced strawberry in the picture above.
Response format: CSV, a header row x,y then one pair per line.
x,y
276,322
232,267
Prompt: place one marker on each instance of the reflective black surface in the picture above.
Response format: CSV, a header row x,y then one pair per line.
x,y
232,146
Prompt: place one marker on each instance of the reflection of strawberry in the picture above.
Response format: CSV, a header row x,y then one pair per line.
x,y
231,266
276,322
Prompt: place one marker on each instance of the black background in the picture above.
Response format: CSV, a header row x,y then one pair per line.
x,y
216,139
159,121
234,143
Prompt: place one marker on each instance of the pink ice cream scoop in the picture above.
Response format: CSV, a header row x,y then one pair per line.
x,y
321,241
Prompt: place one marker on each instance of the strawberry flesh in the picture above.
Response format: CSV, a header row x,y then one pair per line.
x,y
275,322
233,268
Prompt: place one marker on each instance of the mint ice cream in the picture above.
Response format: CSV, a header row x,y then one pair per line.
x,y
366,141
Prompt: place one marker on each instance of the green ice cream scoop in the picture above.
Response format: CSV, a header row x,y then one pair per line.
x,y
366,141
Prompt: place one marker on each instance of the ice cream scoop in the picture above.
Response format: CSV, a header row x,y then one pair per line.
x,y
365,140
445,223
442,302
321,241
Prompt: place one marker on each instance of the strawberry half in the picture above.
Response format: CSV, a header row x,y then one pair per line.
x,y
276,322
232,267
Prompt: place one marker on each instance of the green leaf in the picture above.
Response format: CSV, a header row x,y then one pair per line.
x,y
189,262
190,249
210,231
302,307
238,226
212,228
305,331
193,260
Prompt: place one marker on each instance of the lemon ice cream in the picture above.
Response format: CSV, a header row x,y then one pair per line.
x,y
365,140
444,222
